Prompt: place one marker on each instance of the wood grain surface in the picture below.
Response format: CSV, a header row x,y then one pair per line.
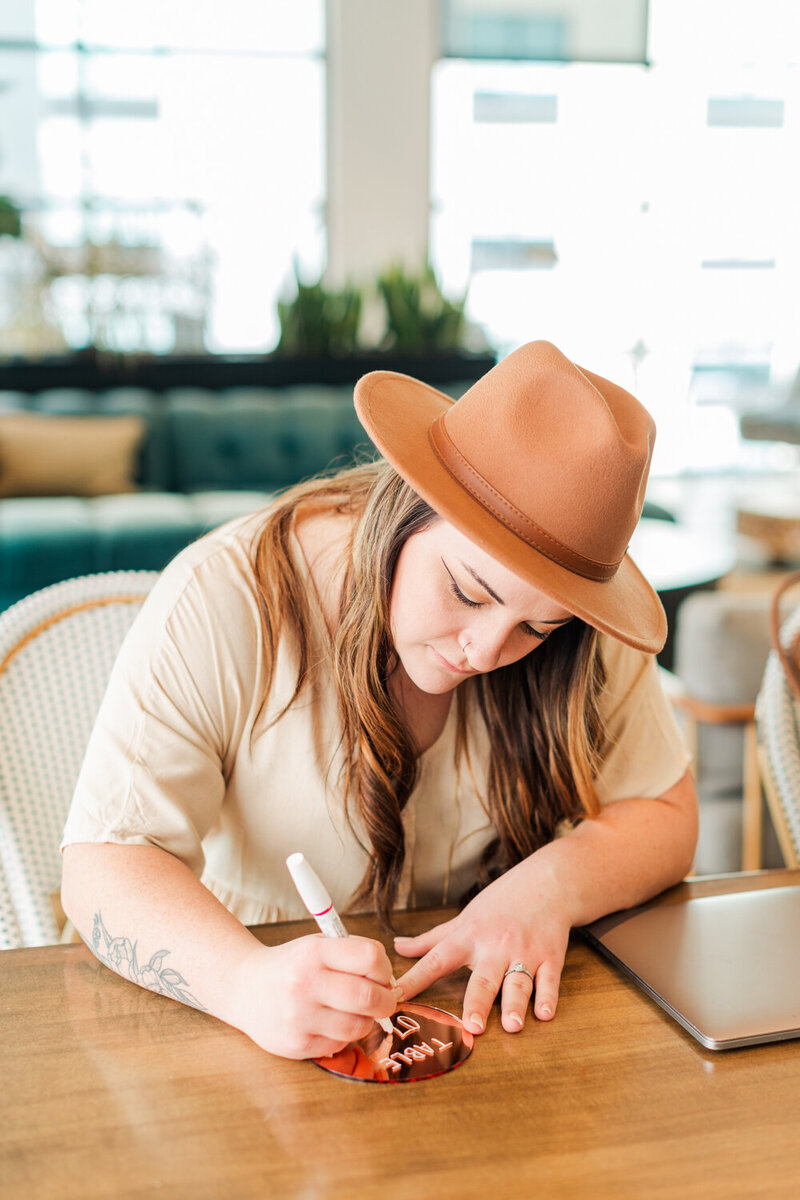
x,y
109,1091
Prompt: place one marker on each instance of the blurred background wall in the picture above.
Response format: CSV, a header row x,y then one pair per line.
x,y
616,175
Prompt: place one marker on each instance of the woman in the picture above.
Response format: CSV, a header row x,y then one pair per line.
x,y
289,685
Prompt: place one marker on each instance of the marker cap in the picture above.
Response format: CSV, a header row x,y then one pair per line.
x,y
312,890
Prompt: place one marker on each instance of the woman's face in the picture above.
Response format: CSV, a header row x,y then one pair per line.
x,y
455,611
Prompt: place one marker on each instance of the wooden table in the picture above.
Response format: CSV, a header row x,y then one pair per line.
x,y
110,1091
771,516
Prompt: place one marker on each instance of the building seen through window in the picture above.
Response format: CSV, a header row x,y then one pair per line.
x,y
169,168
641,216
172,170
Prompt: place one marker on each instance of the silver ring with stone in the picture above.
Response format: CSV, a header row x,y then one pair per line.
x,y
518,966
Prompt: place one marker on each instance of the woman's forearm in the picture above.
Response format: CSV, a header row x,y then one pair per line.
x,y
147,916
630,852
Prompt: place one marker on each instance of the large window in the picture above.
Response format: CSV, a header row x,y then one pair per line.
x,y
642,217
169,161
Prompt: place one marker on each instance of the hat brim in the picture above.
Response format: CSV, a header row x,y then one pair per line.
x,y
397,412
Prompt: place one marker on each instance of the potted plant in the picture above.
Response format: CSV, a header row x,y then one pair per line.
x,y
10,218
319,320
419,318
424,333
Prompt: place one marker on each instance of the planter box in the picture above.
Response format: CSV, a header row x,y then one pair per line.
x,y
102,372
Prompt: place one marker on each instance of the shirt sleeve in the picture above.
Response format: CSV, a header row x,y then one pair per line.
x,y
181,693
645,752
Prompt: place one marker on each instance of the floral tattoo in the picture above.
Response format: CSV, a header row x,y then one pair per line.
x,y
119,953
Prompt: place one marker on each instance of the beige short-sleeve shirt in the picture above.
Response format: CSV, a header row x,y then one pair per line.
x,y
175,759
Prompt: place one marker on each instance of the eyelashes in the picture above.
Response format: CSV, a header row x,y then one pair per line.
x,y
459,595
536,633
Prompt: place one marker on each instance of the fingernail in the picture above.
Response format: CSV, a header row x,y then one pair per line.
x,y
546,1010
476,1020
516,1018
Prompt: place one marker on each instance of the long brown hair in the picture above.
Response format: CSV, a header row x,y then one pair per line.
x,y
541,713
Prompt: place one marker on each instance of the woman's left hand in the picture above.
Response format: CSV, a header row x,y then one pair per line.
x,y
516,919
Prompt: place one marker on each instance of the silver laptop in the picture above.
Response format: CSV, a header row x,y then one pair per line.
x,y
727,968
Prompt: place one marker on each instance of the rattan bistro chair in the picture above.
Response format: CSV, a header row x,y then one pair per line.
x,y
57,647
778,725
722,642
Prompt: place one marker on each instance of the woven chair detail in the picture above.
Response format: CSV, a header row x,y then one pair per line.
x,y
57,648
778,724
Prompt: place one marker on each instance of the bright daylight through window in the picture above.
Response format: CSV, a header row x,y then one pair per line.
x,y
644,218
173,169
170,165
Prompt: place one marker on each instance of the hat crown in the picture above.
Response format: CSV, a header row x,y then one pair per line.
x,y
566,450
540,464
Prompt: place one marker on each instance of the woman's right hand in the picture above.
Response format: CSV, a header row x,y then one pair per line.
x,y
308,998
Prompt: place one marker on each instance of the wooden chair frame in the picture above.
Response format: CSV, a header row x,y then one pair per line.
x,y
701,712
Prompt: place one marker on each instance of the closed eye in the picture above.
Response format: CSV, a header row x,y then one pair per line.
x,y
539,634
459,595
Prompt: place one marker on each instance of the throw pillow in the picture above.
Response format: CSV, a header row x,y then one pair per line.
x,y
43,455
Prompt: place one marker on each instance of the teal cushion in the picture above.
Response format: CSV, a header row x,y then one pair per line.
x,y
255,442
155,468
207,457
14,401
42,540
65,401
144,531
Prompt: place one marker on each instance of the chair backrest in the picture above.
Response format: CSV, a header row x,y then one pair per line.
x,y
721,649
10,935
778,725
57,648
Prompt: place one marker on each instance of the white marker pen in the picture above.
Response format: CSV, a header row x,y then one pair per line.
x,y
315,896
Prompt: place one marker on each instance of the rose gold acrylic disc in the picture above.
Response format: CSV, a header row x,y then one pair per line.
x,y
424,1042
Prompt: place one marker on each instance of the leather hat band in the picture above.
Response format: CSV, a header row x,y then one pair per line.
x,y
495,503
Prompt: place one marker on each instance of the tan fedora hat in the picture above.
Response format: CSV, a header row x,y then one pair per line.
x,y
541,464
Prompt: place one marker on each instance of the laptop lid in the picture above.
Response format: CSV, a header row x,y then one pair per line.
x,y
726,967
